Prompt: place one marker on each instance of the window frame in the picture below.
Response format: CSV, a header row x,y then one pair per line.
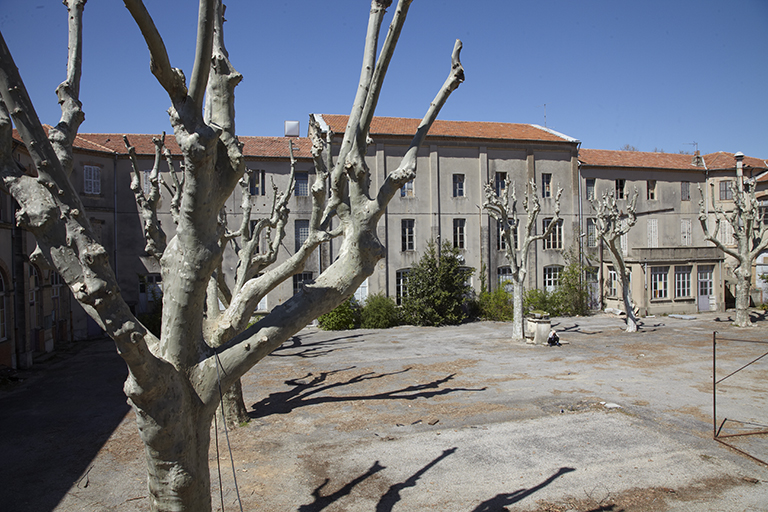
x,y
650,190
590,189
551,277
459,233
500,183
257,182
299,227
301,185
300,279
555,239
683,281
660,282
459,185
91,180
407,189
726,193
685,190
620,185
546,185
407,235
401,284
591,233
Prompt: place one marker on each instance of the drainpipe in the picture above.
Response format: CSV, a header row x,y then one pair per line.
x,y
114,213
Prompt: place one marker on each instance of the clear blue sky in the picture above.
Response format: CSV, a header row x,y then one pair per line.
x,y
653,74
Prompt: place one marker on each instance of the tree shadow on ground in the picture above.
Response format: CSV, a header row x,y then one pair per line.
x,y
316,349
386,502
322,502
498,502
574,328
392,496
53,426
304,392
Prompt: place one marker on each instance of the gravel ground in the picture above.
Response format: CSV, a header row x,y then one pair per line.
x,y
451,419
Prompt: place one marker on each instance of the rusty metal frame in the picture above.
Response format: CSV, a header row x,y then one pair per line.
x,y
716,431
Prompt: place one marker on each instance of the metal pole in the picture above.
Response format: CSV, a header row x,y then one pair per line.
x,y
714,384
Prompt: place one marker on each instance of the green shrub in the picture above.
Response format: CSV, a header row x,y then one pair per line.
x,y
496,305
437,289
540,300
345,316
379,312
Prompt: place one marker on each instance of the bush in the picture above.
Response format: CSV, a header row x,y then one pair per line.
x,y
496,305
345,316
379,312
437,289
540,300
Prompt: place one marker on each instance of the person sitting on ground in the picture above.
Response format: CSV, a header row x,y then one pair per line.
x,y
553,339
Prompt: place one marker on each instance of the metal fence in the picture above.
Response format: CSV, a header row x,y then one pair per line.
x,y
745,428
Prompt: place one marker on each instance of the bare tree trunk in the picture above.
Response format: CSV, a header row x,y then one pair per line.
x,y
235,411
518,315
743,287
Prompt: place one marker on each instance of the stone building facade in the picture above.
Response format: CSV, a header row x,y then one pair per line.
x,y
672,265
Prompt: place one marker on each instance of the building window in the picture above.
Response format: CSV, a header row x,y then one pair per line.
x,y
361,294
300,279
406,233
146,182
91,180
407,189
552,277
500,182
685,190
650,189
686,237
257,183
591,189
726,193
725,233
620,184
458,185
653,232
301,233
683,281
546,185
504,279
3,324
591,233
459,226
401,285
613,282
302,184
555,238
659,282
501,242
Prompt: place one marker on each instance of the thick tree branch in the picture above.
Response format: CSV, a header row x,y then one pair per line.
x,y
171,79
407,168
154,235
206,22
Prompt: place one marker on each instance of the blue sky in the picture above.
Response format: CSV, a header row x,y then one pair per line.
x,y
653,74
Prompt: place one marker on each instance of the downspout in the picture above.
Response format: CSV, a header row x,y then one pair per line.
x,y
114,219
582,232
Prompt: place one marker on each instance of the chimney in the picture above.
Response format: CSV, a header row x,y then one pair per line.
x,y
697,160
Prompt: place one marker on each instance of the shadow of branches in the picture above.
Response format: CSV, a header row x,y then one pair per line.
x,y
295,348
392,496
307,391
498,502
322,502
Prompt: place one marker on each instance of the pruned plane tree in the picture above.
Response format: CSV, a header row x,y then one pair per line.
x,y
175,379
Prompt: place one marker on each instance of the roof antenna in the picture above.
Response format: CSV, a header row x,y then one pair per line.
x,y
694,144
545,113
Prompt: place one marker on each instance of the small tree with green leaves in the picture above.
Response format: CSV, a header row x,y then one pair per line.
x,y
437,288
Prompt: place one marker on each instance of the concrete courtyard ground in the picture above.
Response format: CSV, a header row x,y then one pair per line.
x,y
408,419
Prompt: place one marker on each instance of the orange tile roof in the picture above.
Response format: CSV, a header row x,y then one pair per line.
x,y
644,160
637,159
722,161
254,147
454,129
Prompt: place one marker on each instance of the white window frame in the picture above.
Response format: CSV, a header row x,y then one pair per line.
x,y
504,278
590,186
555,239
683,281
621,185
591,233
257,183
552,277
613,282
92,180
659,282
650,187
500,183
